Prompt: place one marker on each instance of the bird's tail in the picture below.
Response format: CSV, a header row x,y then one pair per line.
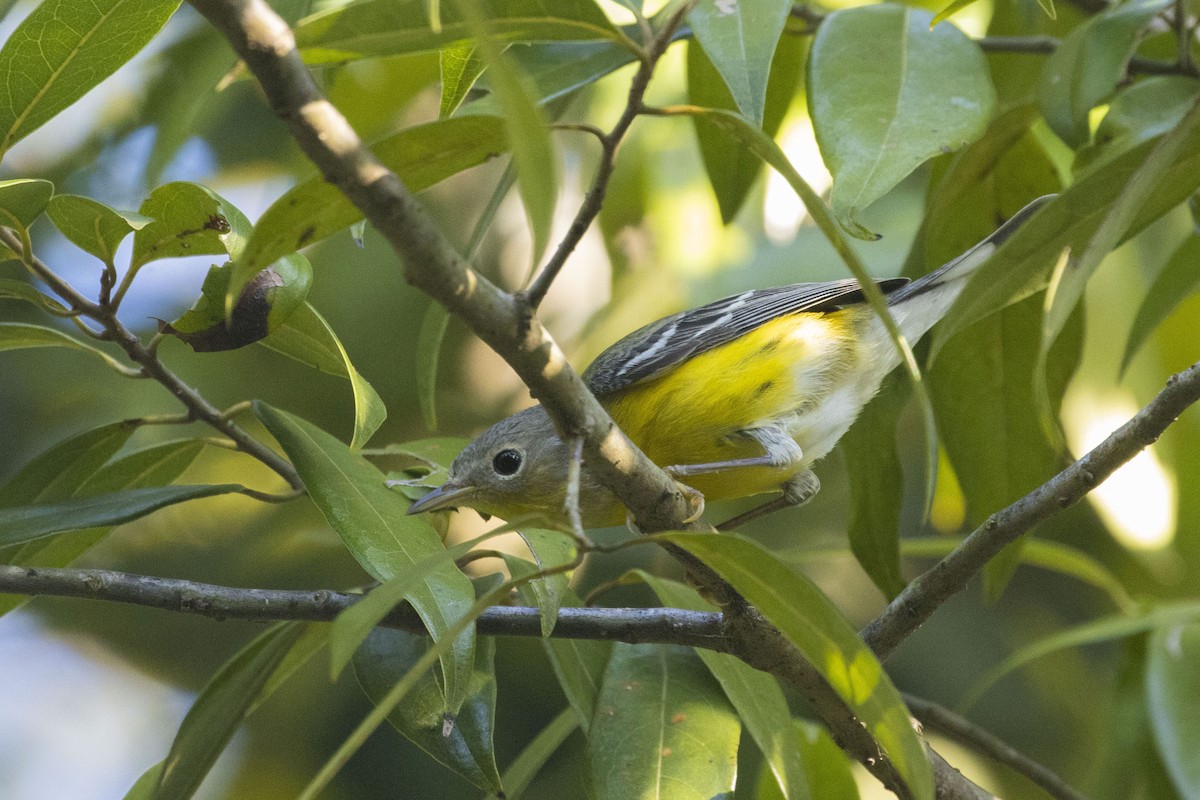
x,y
923,302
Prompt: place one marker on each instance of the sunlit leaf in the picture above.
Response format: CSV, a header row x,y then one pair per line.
x,y
62,50
220,708
886,94
306,337
421,156
756,696
22,524
92,226
826,767
22,200
1086,68
374,525
461,66
387,27
387,655
739,39
189,220
1173,695
816,628
662,729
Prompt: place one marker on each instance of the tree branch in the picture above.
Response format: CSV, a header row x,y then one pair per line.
x,y
924,595
632,625
147,358
933,715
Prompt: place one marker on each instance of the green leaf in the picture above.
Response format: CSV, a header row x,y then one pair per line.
x,y
1021,266
886,93
421,156
188,220
949,11
220,708
740,40
1138,113
461,66
91,226
525,767
811,623
387,655
526,127
755,696
1067,287
577,663
11,289
265,303
25,523
827,769
387,27
306,337
549,549
1039,553
733,170
1179,279
21,336
1086,68
662,728
1172,696
23,199
429,347
877,486
143,788
558,69
159,465
59,472
63,49
373,524
1097,631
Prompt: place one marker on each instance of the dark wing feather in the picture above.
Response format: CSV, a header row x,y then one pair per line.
x,y
661,345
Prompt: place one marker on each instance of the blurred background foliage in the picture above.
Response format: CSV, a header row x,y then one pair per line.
x,y
90,694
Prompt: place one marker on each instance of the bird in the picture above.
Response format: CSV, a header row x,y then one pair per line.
x,y
735,398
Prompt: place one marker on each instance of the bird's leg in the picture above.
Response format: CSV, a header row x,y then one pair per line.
x,y
798,490
779,452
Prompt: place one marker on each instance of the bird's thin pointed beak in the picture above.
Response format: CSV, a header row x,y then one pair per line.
x,y
445,496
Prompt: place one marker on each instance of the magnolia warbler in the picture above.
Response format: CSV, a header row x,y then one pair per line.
x,y
735,398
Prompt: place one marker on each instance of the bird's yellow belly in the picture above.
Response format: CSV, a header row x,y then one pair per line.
x,y
777,374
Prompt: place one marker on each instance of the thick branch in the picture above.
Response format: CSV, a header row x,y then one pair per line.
x,y
633,625
926,593
432,264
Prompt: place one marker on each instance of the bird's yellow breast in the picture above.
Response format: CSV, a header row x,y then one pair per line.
x,y
693,413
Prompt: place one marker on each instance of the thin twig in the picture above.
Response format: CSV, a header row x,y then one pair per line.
x,y
929,591
593,201
963,730
633,625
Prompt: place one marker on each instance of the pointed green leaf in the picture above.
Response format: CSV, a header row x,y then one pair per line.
x,y
429,348
1172,696
92,226
755,696
20,336
1178,281
461,66
740,40
306,337
22,200
1139,112
886,94
808,620
59,472
386,27
220,708
265,303
421,156
22,524
374,525
1089,64
877,486
188,220
826,768
662,729
11,289
62,50
387,655
949,11
525,767
549,549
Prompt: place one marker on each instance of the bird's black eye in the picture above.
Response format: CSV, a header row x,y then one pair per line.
x,y
507,462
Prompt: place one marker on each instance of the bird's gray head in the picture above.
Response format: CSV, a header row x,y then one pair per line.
x,y
515,468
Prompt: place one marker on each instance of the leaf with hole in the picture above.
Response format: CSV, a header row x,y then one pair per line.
x,y
188,220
